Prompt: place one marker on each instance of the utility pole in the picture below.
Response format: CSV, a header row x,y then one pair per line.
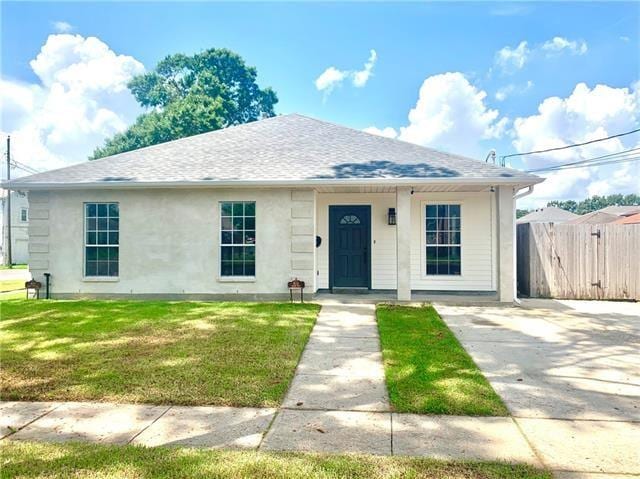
x,y
8,254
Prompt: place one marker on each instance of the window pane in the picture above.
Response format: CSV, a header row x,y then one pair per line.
x,y
113,238
432,211
454,224
432,268
226,224
238,253
92,254
432,224
249,268
226,237
238,236
226,268
91,268
103,237
454,238
114,210
237,223
102,224
226,254
227,209
443,210
454,211
102,210
250,253
113,268
455,260
443,237
103,254
238,209
91,238
114,253
250,223
91,224
114,224
90,210
250,209
238,268
432,253
249,237
443,224
431,237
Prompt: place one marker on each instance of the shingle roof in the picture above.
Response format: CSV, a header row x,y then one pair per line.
x,y
549,214
621,210
287,148
593,218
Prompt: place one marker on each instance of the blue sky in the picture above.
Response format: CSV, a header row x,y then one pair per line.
x,y
292,44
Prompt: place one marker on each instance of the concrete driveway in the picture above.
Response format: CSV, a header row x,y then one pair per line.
x,y
569,372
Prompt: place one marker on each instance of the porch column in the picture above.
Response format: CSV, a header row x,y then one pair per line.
x,y
506,224
403,243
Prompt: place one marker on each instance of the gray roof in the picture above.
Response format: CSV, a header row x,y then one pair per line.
x,y
594,218
550,214
621,210
284,149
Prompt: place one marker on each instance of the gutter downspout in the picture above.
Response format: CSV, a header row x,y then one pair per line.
x,y
516,197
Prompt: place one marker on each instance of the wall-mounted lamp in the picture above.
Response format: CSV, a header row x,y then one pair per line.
x,y
392,216
493,190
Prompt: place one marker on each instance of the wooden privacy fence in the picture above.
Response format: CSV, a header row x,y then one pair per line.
x,y
579,261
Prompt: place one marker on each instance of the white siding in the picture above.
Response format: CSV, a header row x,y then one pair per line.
x,y
479,250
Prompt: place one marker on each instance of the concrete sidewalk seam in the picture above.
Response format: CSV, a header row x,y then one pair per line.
x,y
149,425
32,421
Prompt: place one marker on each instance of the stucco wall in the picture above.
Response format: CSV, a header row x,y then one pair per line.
x,y
479,250
169,242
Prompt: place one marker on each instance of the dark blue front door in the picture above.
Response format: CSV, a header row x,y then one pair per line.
x,y
349,243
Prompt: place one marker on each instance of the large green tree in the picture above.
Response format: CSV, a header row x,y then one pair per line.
x,y
187,95
595,203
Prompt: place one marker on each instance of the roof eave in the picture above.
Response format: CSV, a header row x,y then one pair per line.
x,y
13,185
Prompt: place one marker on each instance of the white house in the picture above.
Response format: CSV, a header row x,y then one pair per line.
x,y
19,227
239,212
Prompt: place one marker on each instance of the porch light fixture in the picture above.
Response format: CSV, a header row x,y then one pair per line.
x,y
392,216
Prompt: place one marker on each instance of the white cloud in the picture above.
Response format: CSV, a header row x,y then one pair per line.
x,y
333,77
512,89
387,132
80,100
558,44
451,114
510,59
360,78
329,79
62,27
586,114
625,38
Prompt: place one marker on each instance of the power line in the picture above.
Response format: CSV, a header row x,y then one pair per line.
x,y
620,154
571,146
599,163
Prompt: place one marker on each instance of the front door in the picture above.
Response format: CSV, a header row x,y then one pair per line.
x,y
349,243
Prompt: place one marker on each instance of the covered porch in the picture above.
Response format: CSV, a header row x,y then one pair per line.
x,y
420,242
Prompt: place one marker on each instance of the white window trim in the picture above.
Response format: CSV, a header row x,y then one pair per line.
x,y
236,279
97,279
423,242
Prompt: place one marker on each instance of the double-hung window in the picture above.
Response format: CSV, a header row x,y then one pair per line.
x,y
237,238
443,242
102,239
24,215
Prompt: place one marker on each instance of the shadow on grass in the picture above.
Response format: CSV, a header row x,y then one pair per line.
x,y
236,354
85,460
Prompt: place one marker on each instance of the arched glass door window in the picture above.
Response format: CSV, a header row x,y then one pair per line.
x,y
349,220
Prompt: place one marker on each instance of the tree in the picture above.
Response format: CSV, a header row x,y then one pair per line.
x,y
595,203
188,95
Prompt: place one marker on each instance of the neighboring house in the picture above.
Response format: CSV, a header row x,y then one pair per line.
x,y
549,214
626,210
19,227
241,211
594,218
628,220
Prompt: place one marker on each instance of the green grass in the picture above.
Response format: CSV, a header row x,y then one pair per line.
x,y
15,266
27,460
193,353
427,370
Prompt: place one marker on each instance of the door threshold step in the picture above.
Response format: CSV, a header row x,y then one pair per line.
x,y
350,291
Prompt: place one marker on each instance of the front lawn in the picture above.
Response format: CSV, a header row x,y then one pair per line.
x,y
194,353
426,368
25,460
